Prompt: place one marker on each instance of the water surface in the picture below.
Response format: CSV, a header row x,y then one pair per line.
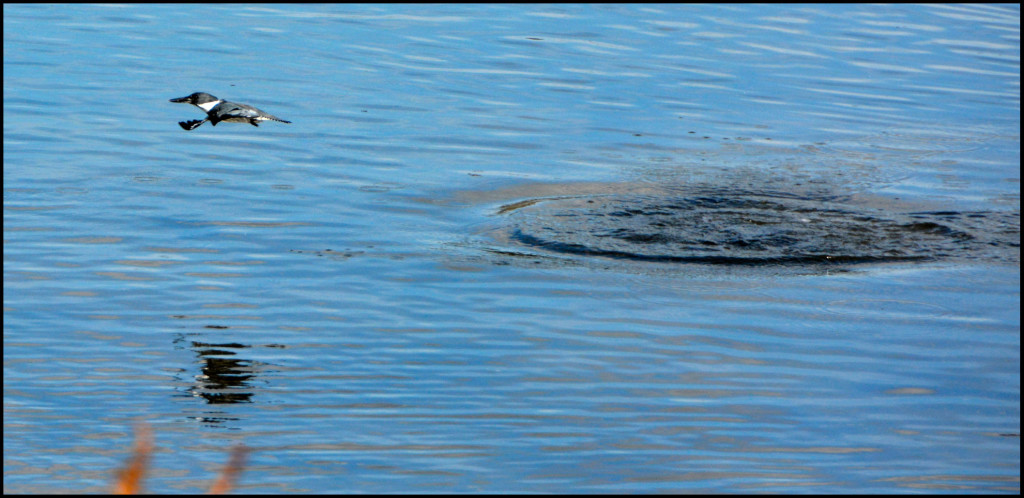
x,y
347,295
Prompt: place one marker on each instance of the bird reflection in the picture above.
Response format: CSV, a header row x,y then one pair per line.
x,y
224,377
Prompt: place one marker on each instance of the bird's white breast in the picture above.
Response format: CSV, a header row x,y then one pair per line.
x,y
209,105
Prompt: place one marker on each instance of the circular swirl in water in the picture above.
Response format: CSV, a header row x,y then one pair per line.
x,y
724,227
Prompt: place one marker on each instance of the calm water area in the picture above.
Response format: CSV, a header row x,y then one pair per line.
x,y
515,248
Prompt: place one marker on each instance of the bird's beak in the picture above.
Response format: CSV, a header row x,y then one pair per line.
x,y
183,100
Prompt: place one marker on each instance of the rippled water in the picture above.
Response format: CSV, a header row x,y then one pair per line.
x,y
515,248
763,228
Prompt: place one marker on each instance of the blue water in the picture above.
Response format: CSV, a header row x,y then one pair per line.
x,y
332,292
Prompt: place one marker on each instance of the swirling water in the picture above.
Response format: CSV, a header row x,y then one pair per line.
x,y
346,294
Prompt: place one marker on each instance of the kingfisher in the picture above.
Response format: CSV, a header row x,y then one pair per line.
x,y
218,110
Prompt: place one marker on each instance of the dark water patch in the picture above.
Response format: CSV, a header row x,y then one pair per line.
x,y
738,227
